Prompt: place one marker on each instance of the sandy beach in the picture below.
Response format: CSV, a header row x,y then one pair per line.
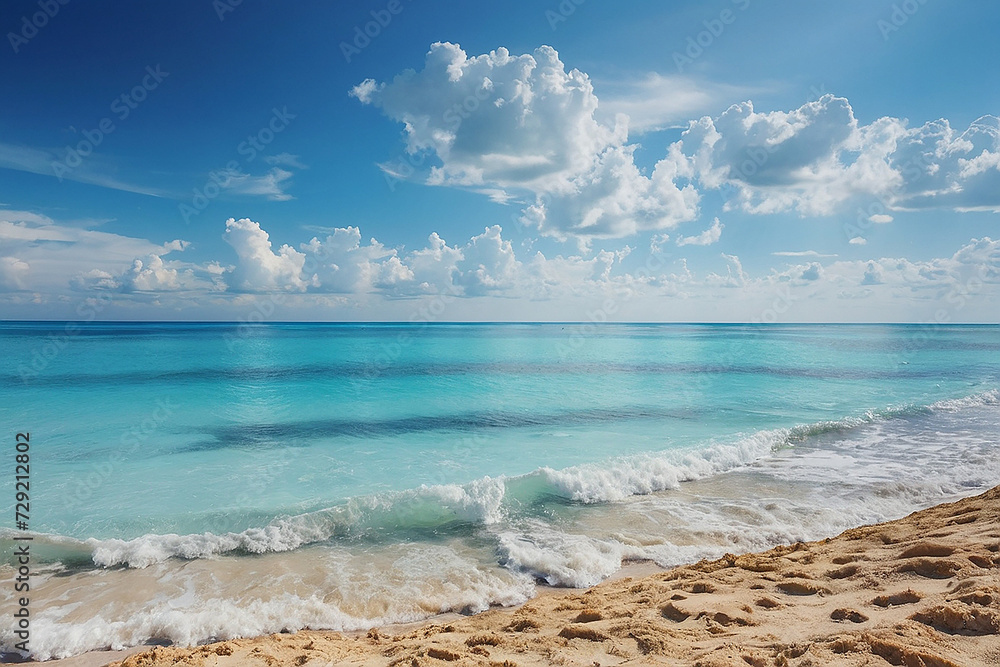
x,y
922,590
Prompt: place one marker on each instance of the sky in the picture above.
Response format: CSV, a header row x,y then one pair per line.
x,y
582,160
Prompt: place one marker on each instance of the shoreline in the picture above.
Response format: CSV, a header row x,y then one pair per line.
x,y
921,590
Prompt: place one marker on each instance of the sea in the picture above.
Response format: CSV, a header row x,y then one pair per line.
x,y
192,482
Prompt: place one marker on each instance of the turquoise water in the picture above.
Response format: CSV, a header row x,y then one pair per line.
x,y
507,454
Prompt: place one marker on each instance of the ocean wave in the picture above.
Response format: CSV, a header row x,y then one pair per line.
x,y
990,397
486,501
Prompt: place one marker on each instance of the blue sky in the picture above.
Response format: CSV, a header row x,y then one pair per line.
x,y
731,160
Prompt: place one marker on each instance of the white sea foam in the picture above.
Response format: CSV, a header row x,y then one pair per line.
x,y
485,501
991,397
648,473
405,584
481,502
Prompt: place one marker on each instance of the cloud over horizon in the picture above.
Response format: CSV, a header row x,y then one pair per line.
x,y
524,130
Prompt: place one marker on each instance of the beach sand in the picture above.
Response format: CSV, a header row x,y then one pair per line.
x,y
923,590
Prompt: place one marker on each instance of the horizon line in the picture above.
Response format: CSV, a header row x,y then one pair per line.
x,y
495,322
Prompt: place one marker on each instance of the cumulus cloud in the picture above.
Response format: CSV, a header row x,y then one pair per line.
x,y
858,240
810,159
38,253
434,266
707,237
151,274
488,263
614,199
13,272
873,274
735,275
945,169
816,158
523,127
259,268
343,265
496,118
811,272
339,270
485,265
95,279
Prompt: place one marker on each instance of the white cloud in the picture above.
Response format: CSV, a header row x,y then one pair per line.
x,y
270,185
286,160
735,275
434,267
522,126
94,169
800,253
485,265
522,129
259,268
707,237
13,272
873,274
488,264
612,200
816,158
47,256
95,279
945,170
343,265
151,274
858,240
812,272
980,258
338,273
810,159
657,101
514,121
657,243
